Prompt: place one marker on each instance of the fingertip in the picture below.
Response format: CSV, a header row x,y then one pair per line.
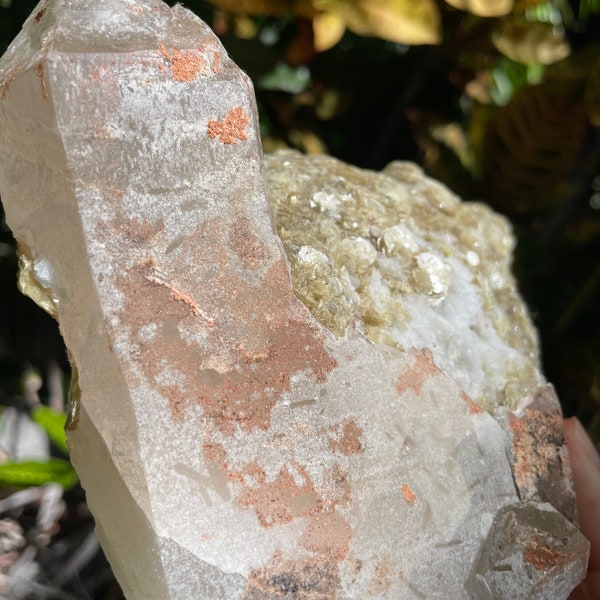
x,y
581,442
585,465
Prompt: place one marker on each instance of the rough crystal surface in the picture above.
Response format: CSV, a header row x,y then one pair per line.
x,y
527,545
234,441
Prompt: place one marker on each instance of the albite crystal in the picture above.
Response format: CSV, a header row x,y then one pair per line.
x,y
349,408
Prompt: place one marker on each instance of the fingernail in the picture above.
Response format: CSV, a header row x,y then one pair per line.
x,y
585,443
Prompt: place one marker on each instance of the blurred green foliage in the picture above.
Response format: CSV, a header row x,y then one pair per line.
x,y
53,423
33,473
499,99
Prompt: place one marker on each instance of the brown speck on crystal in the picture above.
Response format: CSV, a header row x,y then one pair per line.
x,y
231,129
40,15
40,73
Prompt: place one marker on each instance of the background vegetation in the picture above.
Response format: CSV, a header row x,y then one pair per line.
x,y
499,99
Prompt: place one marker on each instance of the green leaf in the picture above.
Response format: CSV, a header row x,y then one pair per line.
x,y
33,474
544,12
508,76
53,423
284,78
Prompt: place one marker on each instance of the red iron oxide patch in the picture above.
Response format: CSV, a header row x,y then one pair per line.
x,y
345,437
231,129
217,62
253,338
408,494
273,501
185,66
414,377
544,556
474,408
328,534
247,335
542,468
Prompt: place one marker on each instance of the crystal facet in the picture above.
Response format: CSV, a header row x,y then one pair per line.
x,y
344,409
532,551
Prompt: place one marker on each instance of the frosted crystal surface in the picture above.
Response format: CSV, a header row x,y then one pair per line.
x,y
358,430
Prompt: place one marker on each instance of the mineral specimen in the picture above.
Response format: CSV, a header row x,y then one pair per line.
x,y
375,426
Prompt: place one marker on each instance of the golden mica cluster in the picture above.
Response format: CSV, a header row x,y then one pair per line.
x,y
380,250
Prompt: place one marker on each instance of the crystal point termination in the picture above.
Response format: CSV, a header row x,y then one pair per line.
x,y
234,445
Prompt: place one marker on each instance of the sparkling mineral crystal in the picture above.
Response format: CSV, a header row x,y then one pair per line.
x,y
349,408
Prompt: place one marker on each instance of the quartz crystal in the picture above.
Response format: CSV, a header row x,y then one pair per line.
x,y
349,407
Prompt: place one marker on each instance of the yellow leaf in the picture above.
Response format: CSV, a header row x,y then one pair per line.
x,y
328,29
400,21
253,7
484,8
244,27
307,141
529,43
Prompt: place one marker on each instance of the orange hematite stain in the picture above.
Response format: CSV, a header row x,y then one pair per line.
x,y
346,437
231,129
184,66
543,555
255,337
413,377
537,437
273,501
408,494
328,534
252,336
474,408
